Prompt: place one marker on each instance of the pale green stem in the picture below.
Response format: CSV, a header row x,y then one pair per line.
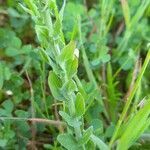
x,y
72,111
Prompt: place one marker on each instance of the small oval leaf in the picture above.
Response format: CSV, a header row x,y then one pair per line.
x,y
55,84
80,105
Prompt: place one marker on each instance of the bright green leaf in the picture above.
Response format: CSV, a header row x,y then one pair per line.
x,y
135,128
70,86
55,84
86,136
45,56
80,105
71,67
68,52
70,121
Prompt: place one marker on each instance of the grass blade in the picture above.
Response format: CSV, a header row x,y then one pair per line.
x,y
141,122
130,98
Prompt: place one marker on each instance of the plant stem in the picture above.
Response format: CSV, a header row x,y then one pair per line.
x,y
43,88
129,99
71,108
33,112
36,120
85,58
77,129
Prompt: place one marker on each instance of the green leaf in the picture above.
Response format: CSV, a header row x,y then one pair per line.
x,y
66,117
22,113
3,143
80,105
71,9
86,136
135,128
100,144
16,42
97,125
9,39
128,65
48,21
17,80
4,112
126,12
22,126
113,94
95,62
44,56
42,34
67,52
109,131
7,73
26,49
57,27
70,86
70,121
8,105
71,67
26,9
12,52
68,141
55,84
61,12
32,6
106,58
74,33
13,13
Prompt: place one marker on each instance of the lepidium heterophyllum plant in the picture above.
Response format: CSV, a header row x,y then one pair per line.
x,y
63,80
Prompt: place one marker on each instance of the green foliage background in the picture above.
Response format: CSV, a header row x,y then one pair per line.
x,y
112,39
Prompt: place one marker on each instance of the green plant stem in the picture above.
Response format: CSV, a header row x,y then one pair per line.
x,y
85,58
72,111
77,129
129,99
137,98
43,88
71,107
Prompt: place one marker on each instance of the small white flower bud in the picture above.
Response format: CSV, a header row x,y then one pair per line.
x,y
9,93
76,53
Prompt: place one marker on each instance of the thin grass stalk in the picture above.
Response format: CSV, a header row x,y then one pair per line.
x,y
33,112
85,58
130,98
43,88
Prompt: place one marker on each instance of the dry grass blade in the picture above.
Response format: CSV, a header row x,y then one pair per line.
x,y
35,120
